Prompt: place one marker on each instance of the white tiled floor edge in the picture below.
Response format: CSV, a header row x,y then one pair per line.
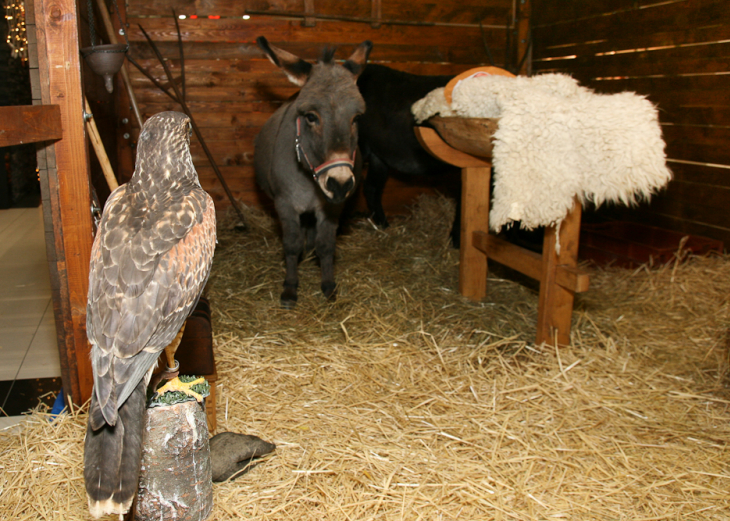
x,y
28,346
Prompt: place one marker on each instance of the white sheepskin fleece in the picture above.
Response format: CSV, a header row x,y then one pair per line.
x,y
557,140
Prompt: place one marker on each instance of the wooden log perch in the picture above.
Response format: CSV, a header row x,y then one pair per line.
x,y
175,478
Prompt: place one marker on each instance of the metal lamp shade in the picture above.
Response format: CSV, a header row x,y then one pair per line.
x,y
105,60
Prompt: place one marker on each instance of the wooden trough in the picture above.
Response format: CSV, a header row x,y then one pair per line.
x,y
467,143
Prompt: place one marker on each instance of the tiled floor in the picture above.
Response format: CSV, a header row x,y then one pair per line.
x,y
28,347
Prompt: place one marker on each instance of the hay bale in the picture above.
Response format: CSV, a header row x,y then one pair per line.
x,y
403,400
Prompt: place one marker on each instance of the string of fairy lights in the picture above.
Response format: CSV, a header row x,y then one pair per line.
x,y
17,36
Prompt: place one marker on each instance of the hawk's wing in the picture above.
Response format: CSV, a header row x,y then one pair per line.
x,y
149,264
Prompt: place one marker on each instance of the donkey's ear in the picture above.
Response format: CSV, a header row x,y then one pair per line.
x,y
356,63
296,69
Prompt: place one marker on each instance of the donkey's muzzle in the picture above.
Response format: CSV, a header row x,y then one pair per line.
x,y
338,183
339,190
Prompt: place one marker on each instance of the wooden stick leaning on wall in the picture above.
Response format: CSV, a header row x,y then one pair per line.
x,y
178,98
98,145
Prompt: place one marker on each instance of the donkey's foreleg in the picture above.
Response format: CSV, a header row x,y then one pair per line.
x,y
373,187
325,247
293,246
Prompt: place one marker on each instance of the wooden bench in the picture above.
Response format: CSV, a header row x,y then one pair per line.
x,y
466,143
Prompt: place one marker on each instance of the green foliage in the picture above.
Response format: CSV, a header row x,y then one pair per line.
x,y
173,397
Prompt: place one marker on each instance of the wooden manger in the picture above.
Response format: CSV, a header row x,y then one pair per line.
x,y
467,143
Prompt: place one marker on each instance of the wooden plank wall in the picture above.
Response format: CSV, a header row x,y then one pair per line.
x,y
232,88
677,53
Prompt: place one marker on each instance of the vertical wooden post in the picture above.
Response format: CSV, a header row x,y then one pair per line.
x,y
376,14
523,36
309,10
66,194
125,109
555,307
474,217
476,172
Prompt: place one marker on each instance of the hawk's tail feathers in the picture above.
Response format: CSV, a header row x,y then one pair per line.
x,y
96,416
112,456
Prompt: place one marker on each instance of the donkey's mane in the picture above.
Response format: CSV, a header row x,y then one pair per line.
x,y
328,53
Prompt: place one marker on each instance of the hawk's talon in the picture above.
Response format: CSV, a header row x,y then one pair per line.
x,y
184,387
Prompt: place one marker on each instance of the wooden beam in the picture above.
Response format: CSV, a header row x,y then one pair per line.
x,y
66,189
528,262
29,124
520,259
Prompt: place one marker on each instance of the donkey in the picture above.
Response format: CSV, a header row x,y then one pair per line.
x,y
387,140
306,157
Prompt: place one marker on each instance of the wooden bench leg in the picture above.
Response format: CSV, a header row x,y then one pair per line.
x,y
210,405
555,306
474,217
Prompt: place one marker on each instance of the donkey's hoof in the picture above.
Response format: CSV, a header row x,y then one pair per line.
x,y
288,298
330,291
288,303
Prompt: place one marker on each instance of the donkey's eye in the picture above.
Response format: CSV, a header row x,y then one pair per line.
x,y
311,117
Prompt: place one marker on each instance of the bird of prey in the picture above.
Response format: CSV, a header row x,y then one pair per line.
x,y
150,260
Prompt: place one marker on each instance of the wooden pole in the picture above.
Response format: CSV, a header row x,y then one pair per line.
x,y
99,149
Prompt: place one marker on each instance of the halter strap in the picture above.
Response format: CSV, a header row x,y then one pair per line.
x,y
327,165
